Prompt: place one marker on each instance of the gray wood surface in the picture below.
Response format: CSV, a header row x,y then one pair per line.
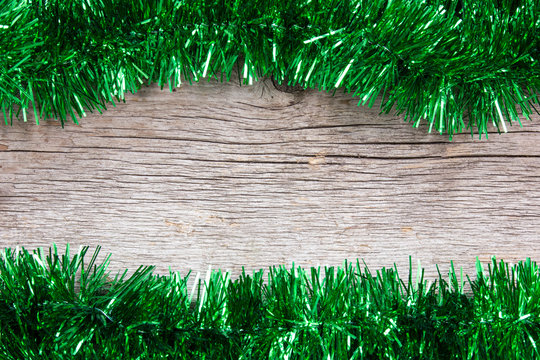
x,y
222,175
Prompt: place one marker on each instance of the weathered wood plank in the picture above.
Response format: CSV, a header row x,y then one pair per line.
x,y
231,176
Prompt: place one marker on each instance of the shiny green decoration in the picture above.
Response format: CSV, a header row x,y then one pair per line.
x,y
63,306
455,64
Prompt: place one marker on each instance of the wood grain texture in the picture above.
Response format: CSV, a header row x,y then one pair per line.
x,y
222,175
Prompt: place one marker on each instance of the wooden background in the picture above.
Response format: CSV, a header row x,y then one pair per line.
x,y
222,175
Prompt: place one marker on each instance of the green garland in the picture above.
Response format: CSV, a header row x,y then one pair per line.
x,y
66,307
456,64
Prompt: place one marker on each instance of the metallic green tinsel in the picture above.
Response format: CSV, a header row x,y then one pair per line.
x,y
66,307
456,64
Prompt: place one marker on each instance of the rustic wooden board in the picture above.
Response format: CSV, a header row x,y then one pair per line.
x,y
231,176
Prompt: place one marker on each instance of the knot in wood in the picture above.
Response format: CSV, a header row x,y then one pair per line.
x,y
284,87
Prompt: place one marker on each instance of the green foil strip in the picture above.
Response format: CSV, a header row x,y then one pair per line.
x,y
457,65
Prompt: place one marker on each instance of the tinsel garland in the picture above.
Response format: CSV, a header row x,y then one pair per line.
x,y
62,306
456,64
